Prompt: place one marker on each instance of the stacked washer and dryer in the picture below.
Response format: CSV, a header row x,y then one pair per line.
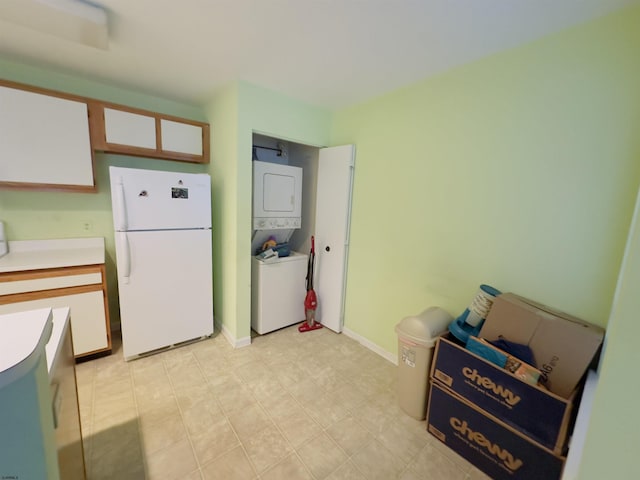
x,y
277,283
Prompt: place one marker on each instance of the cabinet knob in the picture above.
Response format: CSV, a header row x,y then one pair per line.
x,y
327,248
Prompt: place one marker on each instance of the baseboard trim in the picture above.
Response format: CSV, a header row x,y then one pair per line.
x,y
235,342
370,345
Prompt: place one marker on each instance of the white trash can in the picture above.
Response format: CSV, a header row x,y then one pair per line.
x,y
417,336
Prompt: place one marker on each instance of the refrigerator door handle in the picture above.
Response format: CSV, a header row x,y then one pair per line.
x,y
121,212
126,258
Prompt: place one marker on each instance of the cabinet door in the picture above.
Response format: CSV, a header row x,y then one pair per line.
x,y
88,320
68,430
127,128
181,137
44,140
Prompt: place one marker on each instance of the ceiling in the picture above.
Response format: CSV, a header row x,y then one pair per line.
x,y
329,53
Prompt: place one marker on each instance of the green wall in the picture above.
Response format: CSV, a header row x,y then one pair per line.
x,y
223,112
518,171
30,214
248,109
610,449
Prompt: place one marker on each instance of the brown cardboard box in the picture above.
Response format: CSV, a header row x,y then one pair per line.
x,y
563,346
484,440
534,411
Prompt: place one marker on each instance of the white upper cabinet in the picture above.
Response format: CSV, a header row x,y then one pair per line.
x,y
48,138
131,131
44,141
181,137
126,128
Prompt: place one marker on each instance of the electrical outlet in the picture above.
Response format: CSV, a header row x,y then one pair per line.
x,y
87,226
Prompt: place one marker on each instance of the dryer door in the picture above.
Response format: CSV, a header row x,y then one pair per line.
x,y
277,193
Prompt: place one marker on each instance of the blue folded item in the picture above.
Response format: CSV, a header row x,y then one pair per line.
x,y
521,352
476,346
282,249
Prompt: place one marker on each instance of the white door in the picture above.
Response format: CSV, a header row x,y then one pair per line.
x,y
333,212
165,287
44,139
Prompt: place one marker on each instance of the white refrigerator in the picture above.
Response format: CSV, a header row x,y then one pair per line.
x,y
162,223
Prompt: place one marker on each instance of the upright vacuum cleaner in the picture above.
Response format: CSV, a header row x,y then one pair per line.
x,y
310,300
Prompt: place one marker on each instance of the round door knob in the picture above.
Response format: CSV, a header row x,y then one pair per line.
x,y
327,248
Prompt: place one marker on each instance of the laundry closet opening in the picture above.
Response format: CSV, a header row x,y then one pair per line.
x,y
284,199
299,191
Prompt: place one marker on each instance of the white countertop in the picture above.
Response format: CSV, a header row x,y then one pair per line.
x,y
23,337
40,254
60,327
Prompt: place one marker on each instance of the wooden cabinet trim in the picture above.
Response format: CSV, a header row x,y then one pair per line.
x,y
107,318
140,111
158,134
206,139
51,272
43,91
53,187
99,141
97,130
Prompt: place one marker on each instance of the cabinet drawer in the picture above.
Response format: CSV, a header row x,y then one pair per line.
x,y
49,283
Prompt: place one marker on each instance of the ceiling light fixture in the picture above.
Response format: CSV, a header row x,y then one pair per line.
x,y
75,20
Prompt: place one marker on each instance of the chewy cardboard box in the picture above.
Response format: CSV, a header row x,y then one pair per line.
x,y
563,346
493,447
530,409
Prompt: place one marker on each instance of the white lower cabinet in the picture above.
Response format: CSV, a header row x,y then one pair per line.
x,y
39,411
82,289
64,399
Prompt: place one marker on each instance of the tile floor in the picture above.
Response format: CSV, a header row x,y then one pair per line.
x,y
290,406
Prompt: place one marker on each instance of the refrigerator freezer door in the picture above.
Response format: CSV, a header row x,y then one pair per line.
x,y
168,296
158,200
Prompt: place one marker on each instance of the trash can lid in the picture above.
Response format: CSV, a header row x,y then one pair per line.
x,y
425,327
